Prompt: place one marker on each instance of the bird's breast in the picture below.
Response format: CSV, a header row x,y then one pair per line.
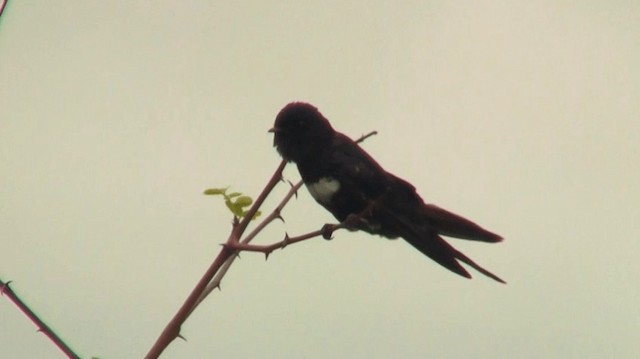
x,y
323,189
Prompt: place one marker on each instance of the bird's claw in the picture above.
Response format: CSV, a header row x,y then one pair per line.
x,y
327,231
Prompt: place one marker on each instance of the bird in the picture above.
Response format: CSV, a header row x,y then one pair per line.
x,y
349,183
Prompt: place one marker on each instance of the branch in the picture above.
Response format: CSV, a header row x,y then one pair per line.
x,y
275,214
172,330
2,6
326,231
213,276
42,327
364,137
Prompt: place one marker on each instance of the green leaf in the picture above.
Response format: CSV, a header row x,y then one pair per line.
x,y
234,194
215,191
235,209
234,201
243,201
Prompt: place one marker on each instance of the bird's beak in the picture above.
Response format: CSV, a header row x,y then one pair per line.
x,y
275,131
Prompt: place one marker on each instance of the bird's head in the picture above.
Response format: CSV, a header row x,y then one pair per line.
x,y
300,131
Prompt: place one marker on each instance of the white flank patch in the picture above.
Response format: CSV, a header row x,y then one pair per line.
x,y
324,189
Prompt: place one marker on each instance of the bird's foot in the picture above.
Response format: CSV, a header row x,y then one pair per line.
x,y
352,221
328,229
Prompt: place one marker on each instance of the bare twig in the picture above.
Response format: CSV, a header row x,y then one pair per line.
x,y
2,6
6,290
325,232
364,137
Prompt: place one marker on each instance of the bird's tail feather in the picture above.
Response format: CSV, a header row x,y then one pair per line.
x,y
436,248
426,240
453,225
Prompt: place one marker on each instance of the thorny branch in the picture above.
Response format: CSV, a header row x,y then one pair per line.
x,y
2,6
6,290
216,271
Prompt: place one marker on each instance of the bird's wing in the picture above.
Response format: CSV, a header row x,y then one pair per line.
x,y
400,211
350,161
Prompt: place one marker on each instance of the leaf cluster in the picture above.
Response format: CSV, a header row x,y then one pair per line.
x,y
236,202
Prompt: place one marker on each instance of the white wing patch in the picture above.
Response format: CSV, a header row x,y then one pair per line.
x,y
324,189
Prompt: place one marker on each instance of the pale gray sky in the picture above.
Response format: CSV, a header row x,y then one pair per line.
x,y
523,116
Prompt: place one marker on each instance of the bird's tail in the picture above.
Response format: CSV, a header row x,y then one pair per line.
x,y
436,248
425,238
453,225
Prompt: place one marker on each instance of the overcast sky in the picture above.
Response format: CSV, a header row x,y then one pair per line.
x,y
523,116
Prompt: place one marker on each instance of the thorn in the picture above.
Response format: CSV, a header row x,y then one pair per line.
x,y
4,287
266,255
295,193
286,241
218,287
279,216
181,337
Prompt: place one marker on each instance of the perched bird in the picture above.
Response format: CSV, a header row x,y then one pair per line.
x,y
351,185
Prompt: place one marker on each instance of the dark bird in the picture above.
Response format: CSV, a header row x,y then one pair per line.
x,y
345,180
